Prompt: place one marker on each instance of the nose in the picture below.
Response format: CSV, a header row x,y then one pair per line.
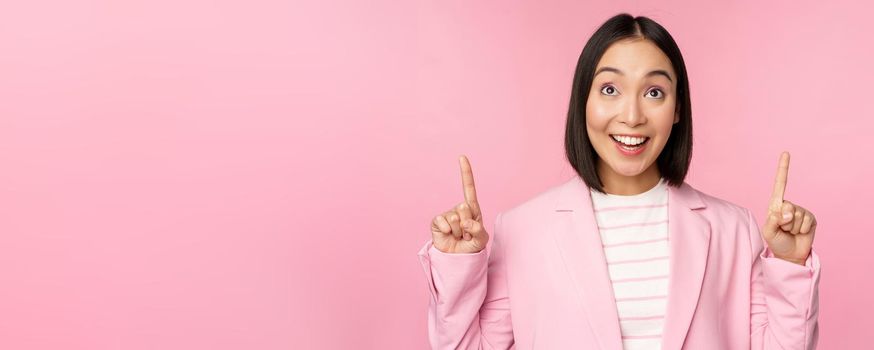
x,y
632,115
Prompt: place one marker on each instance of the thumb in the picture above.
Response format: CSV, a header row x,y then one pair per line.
x,y
772,224
472,228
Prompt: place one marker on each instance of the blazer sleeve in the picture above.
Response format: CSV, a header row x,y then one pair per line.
x,y
784,306
469,306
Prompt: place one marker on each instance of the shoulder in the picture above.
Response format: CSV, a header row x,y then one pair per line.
x,y
722,211
528,217
538,206
543,201
732,223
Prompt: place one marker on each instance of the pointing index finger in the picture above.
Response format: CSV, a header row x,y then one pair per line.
x,y
467,181
780,182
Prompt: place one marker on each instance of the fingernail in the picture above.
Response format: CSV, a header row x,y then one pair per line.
x,y
787,216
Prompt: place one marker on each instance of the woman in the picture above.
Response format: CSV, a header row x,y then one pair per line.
x,y
625,255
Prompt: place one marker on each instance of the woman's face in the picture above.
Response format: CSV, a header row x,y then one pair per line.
x,y
633,98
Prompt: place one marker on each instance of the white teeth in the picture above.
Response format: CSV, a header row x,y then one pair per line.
x,y
628,140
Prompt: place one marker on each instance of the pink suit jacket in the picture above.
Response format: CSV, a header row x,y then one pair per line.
x,y
542,281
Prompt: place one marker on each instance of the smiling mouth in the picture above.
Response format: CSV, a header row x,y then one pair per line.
x,y
628,142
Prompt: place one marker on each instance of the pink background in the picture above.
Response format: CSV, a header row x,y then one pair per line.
x,y
261,174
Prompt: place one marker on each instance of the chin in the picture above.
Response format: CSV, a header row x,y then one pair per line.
x,y
629,169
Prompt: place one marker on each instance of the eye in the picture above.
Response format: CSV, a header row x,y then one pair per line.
x,y
609,88
660,94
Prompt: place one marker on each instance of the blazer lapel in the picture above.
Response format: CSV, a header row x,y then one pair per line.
x,y
579,241
689,242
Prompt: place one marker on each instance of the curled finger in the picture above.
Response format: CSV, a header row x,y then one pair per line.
x,y
441,224
797,221
455,223
807,223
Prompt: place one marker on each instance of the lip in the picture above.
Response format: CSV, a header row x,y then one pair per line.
x,y
630,135
627,152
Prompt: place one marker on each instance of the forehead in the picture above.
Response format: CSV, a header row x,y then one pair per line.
x,y
635,57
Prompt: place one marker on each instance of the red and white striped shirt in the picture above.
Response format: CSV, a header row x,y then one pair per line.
x,y
634,234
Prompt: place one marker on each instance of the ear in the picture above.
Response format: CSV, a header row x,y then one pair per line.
x,y
677,118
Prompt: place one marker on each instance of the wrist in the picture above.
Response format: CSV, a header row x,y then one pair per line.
x,y
770,254
795,261
799,262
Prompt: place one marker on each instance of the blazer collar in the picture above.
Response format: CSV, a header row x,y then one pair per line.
x,y
579,241
572,193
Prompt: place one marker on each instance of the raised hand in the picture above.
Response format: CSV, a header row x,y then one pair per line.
x,y
790,228
460,229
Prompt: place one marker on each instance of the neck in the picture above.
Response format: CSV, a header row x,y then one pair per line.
x,y
618,184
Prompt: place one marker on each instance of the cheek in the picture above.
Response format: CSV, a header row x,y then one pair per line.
x,y
662,121
598,115
663,116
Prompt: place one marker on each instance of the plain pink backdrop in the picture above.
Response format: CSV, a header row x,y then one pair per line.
x,y
261,174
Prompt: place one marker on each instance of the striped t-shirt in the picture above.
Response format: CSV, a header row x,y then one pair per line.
x,y
634,235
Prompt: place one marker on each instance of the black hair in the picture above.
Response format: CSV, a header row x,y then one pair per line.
x,y
673,162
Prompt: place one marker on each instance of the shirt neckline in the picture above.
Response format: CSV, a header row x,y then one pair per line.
x,y
658,186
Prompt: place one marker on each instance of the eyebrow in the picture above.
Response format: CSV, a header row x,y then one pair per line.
x,y
617,71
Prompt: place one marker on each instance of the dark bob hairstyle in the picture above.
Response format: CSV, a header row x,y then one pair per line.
x,y
673,162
